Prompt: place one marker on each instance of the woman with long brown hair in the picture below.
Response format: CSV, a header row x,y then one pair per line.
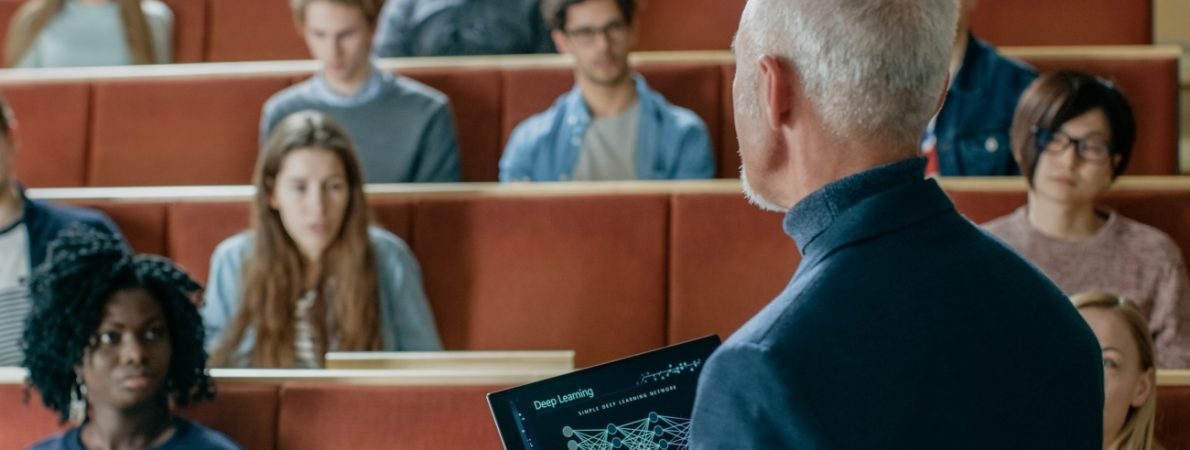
x,y
1129,370
68,33
311,275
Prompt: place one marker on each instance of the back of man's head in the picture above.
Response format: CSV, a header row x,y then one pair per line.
x,y
872,69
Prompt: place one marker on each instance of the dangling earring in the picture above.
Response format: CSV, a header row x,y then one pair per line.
x,y
78,402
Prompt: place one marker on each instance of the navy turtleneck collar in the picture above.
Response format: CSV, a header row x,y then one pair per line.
x,y
815,213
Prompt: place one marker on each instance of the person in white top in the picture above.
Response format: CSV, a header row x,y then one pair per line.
x,y
71,33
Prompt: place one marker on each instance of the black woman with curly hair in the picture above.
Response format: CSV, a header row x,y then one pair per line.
x,y
113,341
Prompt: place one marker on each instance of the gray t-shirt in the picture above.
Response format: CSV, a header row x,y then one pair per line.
x,y
402,130
609,148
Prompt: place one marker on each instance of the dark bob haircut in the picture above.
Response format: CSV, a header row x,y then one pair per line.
x,y
1057,97
70,290
554,11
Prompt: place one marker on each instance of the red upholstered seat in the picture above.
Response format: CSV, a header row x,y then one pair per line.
x,y
196,228
51,131
142,223
687,24
1064,22
177,131
324,416
245,412
190,29
1173,413
572,272
24,423
727,260
240,30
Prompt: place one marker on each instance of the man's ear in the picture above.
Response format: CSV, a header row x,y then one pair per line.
x,y
777,84
560,41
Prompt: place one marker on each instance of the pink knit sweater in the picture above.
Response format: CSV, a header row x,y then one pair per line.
x,y
1124,257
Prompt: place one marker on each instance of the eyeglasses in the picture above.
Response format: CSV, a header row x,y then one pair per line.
x,y
1089,149
615,31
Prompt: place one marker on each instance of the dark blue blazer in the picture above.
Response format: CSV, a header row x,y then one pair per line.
x,y
905,327
43,221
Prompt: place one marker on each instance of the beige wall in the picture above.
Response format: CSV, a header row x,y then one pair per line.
x,y
1171,25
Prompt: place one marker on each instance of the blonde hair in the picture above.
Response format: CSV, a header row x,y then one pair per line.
x,y
274,271
370,8
1137,433
34,15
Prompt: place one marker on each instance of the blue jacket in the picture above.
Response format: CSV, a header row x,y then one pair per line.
x,y
904,327
972,127
43,222
672,141
406,322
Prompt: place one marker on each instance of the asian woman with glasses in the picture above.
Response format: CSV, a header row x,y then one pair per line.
x,y
1072,135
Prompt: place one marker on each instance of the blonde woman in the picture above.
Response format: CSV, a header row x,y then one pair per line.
x,y
1129,371
70,33
311,275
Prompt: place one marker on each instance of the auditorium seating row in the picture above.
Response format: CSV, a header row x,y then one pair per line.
x,y
238,30
198,124
604,269
319,416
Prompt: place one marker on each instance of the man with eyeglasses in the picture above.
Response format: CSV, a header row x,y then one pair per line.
x,y
611,126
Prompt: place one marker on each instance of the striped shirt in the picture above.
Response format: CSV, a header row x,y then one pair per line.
x,y
307,350
14,294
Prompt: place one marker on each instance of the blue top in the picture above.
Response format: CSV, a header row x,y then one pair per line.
x,y
187,435
406,322
904,327
93,35
973,126
461,27
672,141
402,130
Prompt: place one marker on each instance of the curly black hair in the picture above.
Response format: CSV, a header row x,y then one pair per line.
x,y
70,290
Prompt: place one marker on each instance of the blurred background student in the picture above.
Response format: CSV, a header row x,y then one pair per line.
x,y
311,275
114,341
68,33
1129,374
1073,136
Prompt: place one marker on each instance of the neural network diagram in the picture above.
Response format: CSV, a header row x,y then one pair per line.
x,y
655,432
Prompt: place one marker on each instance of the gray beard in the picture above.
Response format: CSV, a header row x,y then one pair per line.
x,y
756,199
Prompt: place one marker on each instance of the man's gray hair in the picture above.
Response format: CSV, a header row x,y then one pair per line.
x,y
873,69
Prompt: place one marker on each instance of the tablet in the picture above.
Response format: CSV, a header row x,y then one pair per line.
x,y
639,402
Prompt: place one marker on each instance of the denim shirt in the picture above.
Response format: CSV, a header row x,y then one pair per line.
x,y
672,141
973,126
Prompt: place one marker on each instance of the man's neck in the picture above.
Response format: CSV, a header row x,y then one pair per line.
x,y
606,100
114,429
1063,221
831,159
12,207
349,86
